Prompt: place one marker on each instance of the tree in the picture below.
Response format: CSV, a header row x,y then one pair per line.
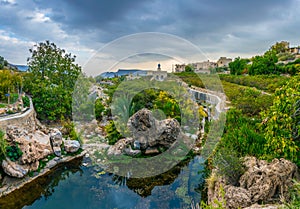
x,y
282,122
53,74
3,62
237,66
265,64
189,68
280,47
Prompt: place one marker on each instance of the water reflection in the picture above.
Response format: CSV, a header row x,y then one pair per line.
x,y
73,186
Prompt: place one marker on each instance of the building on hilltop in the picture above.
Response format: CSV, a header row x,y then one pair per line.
x,y
204,67
224,62
158,75
179,68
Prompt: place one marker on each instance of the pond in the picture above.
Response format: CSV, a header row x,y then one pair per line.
x,y
78,187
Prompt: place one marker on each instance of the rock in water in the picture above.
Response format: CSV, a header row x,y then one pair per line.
x,y
150,132
56,141
71,146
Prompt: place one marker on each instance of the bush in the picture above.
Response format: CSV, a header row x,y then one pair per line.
x,y
228,165
112,133
26,101
3,145
68,130
13,152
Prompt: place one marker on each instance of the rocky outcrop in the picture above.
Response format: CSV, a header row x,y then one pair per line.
x,y
119,147
14,169
71,146
56,141
262,182
149,132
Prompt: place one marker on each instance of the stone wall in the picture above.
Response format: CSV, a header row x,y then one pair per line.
x,y
26,119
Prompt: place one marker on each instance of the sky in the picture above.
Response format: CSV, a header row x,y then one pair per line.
x,y
228,28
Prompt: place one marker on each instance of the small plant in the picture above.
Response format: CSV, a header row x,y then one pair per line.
x,y
3,145
68,130
13,152
112,133
228,165
26,101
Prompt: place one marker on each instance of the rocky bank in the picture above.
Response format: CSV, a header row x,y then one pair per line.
x,y
263,182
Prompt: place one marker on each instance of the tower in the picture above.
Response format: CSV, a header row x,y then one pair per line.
x,y
158,67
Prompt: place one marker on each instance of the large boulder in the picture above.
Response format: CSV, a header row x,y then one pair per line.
x,y
268,182
71,146
56,141
150,132
14,169
262,182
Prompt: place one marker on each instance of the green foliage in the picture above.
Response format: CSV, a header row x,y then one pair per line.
x,y
216,203
238,65
263,65
9,83
188,68
243,135
3,145
99,109
156,100
3,62
282,122
267,83
13,152
294,203
280,47
250,101
51,80
229,165
26,101
112,134
68,130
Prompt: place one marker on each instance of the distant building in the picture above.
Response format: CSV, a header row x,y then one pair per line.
x,y
179,68
224,62
294,50
158,75
204,67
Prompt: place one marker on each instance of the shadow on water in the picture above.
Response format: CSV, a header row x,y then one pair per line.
x,y
41,187
74,186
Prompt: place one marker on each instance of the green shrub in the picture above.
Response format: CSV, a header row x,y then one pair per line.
x,y
228,165
68,130
26,101
13,152
112,133
3,145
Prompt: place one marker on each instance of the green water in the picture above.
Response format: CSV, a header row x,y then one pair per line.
x,y
77,187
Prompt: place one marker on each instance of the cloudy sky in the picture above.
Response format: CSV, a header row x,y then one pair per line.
x,y
218,27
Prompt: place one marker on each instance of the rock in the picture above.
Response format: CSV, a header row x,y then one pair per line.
x,y
129,151
119,147
268,181
151,151
14,132
237,196
14,169
56,141
150,132
262,182
136,145
71,146
32,150
256,206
